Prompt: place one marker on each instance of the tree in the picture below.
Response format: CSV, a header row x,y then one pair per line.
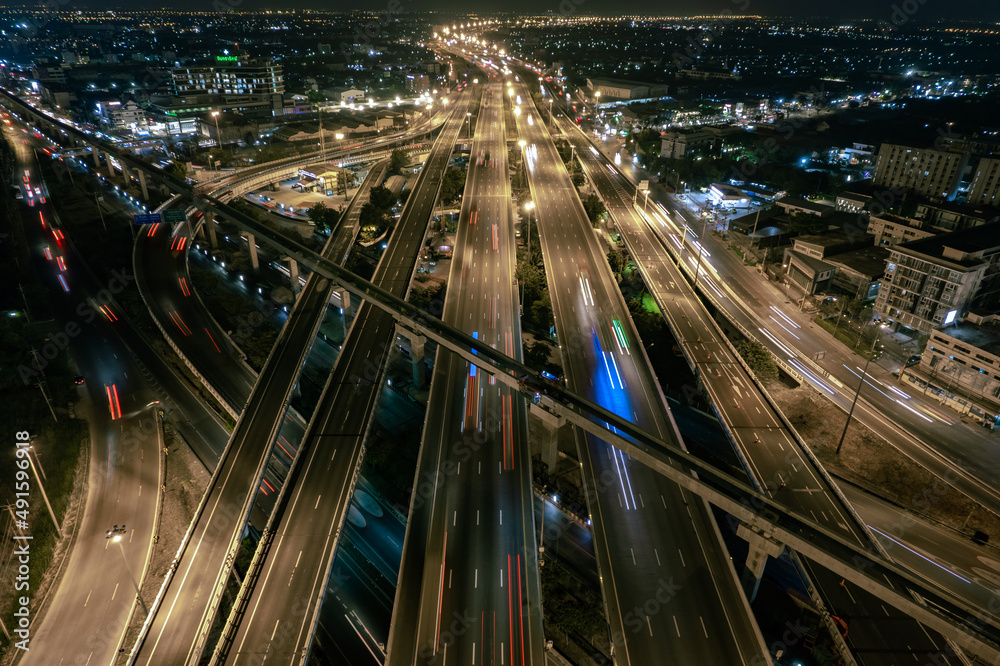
x,y
617,260
372,216
759,359
531,278
594,207
452,184
177,170
541,311
398,160
382,198
324,217
537,355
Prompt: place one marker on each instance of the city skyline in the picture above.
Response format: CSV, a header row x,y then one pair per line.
x,y
499,337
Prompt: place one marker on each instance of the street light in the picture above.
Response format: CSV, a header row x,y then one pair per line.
x,y
529,207
218,136
115,534
864,373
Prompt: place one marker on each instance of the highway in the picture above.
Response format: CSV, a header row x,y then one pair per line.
x,y
163,257
771,454
187,601
278,617
468,590
657,546
95,596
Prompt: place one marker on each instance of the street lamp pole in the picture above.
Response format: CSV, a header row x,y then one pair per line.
x,y
529,207
116,537
864,373
45,496
218,135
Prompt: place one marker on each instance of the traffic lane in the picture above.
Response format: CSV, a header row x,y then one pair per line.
x,y
295,569
773,457
344,615
944,441
664,590
182,315
169,637
95,595
939,555
878,634
390,273
612,593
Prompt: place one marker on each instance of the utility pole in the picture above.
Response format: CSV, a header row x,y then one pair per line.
x,y
41,387
101,211
27,312
45,496
864,373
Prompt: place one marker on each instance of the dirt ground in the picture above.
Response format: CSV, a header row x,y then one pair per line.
x,y
869,461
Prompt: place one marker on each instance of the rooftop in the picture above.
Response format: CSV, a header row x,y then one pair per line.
x,y
868,261
968,242
986,338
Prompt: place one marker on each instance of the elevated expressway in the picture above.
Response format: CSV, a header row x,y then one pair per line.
x,y
969,626
776,460
278,606
468,591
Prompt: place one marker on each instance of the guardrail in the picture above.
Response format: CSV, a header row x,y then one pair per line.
x,y
951,616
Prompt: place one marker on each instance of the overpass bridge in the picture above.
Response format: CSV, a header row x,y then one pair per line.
x,y
973,628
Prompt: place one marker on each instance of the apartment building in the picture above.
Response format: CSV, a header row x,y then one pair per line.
x,y
985,187
965,358
892,230
230,83
931,173
929,283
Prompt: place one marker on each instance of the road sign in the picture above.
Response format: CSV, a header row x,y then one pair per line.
x,y
173,215
152,218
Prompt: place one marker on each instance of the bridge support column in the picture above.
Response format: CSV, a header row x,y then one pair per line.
x,y
111,168
550,442
142,184
252,249
210,225
761,545
345,298
274,186
293,274
417,343
96,154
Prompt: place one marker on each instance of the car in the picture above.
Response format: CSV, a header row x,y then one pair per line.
x,y
78,380
914,360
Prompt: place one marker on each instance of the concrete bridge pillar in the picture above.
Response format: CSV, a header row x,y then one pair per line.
x,y
345,298
551,424
761,545
111,168
293,275
142,184
417,343
210,226
96,154
252,249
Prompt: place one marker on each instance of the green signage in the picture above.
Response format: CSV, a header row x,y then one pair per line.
x,y
173,215
226,58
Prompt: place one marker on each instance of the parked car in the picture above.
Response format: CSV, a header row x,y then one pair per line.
x,y
913,360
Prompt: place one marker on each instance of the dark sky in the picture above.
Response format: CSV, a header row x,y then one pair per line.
x,y
919,10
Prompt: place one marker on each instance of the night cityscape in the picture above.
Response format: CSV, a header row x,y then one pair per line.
x,y
562,334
